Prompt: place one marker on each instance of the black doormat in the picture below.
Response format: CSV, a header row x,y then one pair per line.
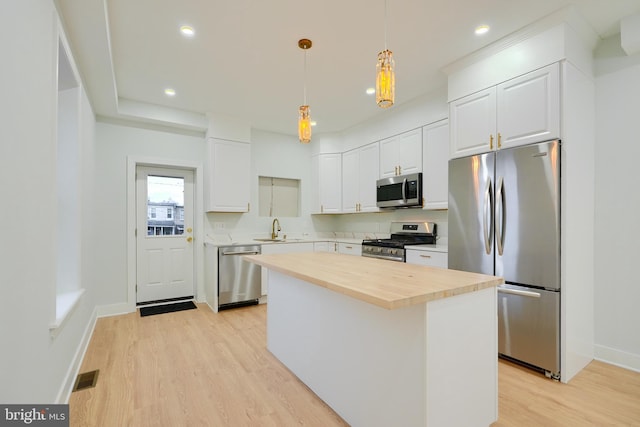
x,y
167,308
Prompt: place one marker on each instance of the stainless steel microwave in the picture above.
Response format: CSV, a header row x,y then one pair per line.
x,y
402,191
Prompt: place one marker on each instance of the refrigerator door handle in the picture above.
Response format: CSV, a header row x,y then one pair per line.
x,y
518,292
488,216
500,227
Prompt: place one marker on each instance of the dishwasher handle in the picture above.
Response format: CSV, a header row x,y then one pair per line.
x,y
518,292
241,253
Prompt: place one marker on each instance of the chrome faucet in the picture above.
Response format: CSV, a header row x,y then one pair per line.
x,y
274,231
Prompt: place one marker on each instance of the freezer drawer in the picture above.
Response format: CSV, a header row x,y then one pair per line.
x,y
529,326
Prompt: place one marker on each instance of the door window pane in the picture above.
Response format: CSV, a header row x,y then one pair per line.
x,y
165,195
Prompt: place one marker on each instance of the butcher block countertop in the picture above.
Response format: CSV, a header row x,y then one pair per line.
x,y
387,284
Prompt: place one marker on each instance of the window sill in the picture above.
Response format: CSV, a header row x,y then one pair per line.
x,y
65,303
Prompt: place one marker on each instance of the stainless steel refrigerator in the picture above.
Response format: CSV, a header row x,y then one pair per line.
x,y
504,219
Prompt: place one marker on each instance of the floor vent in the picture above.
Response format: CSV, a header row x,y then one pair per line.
x,y
86,380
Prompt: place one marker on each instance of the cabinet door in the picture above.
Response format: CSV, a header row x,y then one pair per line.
x,y
389,157
529,108
401,154
368,175
473,123
350,180
350,248
327,183
409,148
229,176
435,169
325,247
427,258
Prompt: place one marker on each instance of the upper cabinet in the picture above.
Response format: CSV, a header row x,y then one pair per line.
x,y
435,161
401,154
228,171
327,183
520,111
359,175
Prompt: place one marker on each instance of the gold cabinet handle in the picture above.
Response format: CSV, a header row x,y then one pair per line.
x,y
491,142
399,170
499,140
189,239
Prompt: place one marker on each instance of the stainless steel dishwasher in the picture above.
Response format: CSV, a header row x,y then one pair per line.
x,y
239,281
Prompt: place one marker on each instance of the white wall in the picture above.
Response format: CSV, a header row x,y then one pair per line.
x,y
35,366
115,143
281,156
617,291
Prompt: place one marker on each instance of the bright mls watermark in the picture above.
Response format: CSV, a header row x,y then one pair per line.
x,y
34,415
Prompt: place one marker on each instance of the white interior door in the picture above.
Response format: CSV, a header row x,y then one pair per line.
x,y
164,238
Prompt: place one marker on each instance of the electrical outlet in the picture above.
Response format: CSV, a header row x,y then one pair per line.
x,y
218,225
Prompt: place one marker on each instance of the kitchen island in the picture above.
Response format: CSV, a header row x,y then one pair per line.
x,y
386,343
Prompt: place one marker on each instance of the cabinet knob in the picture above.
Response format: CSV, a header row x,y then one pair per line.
x,y
189,239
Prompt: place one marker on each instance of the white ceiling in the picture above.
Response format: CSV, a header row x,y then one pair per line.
x,y
244,60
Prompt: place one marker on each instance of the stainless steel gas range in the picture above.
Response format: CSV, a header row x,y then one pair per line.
x,y
402,234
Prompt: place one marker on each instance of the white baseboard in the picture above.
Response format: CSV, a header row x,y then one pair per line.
x,y
617,357
115,309
78,357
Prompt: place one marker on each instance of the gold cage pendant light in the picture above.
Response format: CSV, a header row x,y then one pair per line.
x,y
385,72
304,118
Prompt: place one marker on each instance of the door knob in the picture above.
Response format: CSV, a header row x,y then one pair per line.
x,y
189,239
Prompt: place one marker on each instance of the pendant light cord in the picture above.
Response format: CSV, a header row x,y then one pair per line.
x,y
385,24
305,77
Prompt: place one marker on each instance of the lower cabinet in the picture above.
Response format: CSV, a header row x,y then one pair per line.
x,y
427,258
325,247
282,248
350,248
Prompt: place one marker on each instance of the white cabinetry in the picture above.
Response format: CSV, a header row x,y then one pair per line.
x,y
401,154
228,186
359,175
282,248
520,111
325,246
350,248
327,183
435,161
427,258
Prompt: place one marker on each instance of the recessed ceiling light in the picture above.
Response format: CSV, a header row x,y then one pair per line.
x,y
170,92
482,29
187,31
371,90
313,123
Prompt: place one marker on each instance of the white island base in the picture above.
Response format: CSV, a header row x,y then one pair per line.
x,y
428,364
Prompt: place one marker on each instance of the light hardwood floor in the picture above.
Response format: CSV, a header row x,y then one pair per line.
x,y
199,368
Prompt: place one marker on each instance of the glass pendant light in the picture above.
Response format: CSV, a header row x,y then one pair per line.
x,y
304,118
385,72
